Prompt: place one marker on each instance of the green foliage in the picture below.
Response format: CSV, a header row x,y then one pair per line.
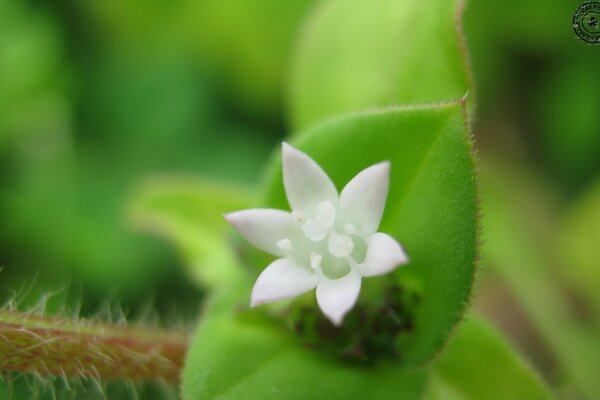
x,y
245,45
189,213
480,364
578,250
516,253
535,84
242,356
360,54
249,45
97,95
88,204
31,58
567,104
431,207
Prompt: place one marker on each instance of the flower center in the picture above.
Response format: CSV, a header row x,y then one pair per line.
x,y
330,244
340,245
315,260
316,227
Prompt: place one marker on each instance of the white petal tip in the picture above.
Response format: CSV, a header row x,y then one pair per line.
x,y
235,219
385,165
289,152
256,300
230,217
382,167
286,148
337,297
402,258
336,320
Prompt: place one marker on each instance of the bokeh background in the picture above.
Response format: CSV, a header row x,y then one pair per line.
x,y
103,101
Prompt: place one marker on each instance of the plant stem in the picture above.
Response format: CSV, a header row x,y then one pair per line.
x,y
51,346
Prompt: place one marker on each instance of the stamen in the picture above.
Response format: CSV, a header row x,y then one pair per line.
x,y
298,216
315,260
314,230
340,245
349,229
285,244
326,214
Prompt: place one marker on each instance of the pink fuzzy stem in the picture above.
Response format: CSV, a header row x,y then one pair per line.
x,y
77,348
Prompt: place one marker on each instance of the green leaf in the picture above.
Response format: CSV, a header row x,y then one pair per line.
x,y
238,356
368,53
512,202
249,45
480,364
189,213
431,207
571,138
577,244
32,103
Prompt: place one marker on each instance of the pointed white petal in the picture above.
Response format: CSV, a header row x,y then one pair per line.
x,y
280,280
383,255
264,228
363,199
336,297
306,184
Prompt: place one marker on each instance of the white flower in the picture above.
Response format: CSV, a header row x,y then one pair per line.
x,y
328,242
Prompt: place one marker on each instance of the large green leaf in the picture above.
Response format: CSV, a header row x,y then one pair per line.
x,y
241,357
189,213
431,208
356,54
480,364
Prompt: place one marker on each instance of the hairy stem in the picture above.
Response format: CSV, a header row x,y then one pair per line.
x,y
77,348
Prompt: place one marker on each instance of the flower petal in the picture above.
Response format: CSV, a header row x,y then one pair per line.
x,y
383,255
263,228
282,279
336,297
306,184
363,199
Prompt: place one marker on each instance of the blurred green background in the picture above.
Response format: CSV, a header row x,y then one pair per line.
x,y
100,100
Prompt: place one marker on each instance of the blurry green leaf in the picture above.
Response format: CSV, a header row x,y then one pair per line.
x,y
145,101
31,68
189,213
239,356
184,132
578,246
63,206
511,43
431,207
480,364
568,101
368,53
511,201
66,216
249,44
